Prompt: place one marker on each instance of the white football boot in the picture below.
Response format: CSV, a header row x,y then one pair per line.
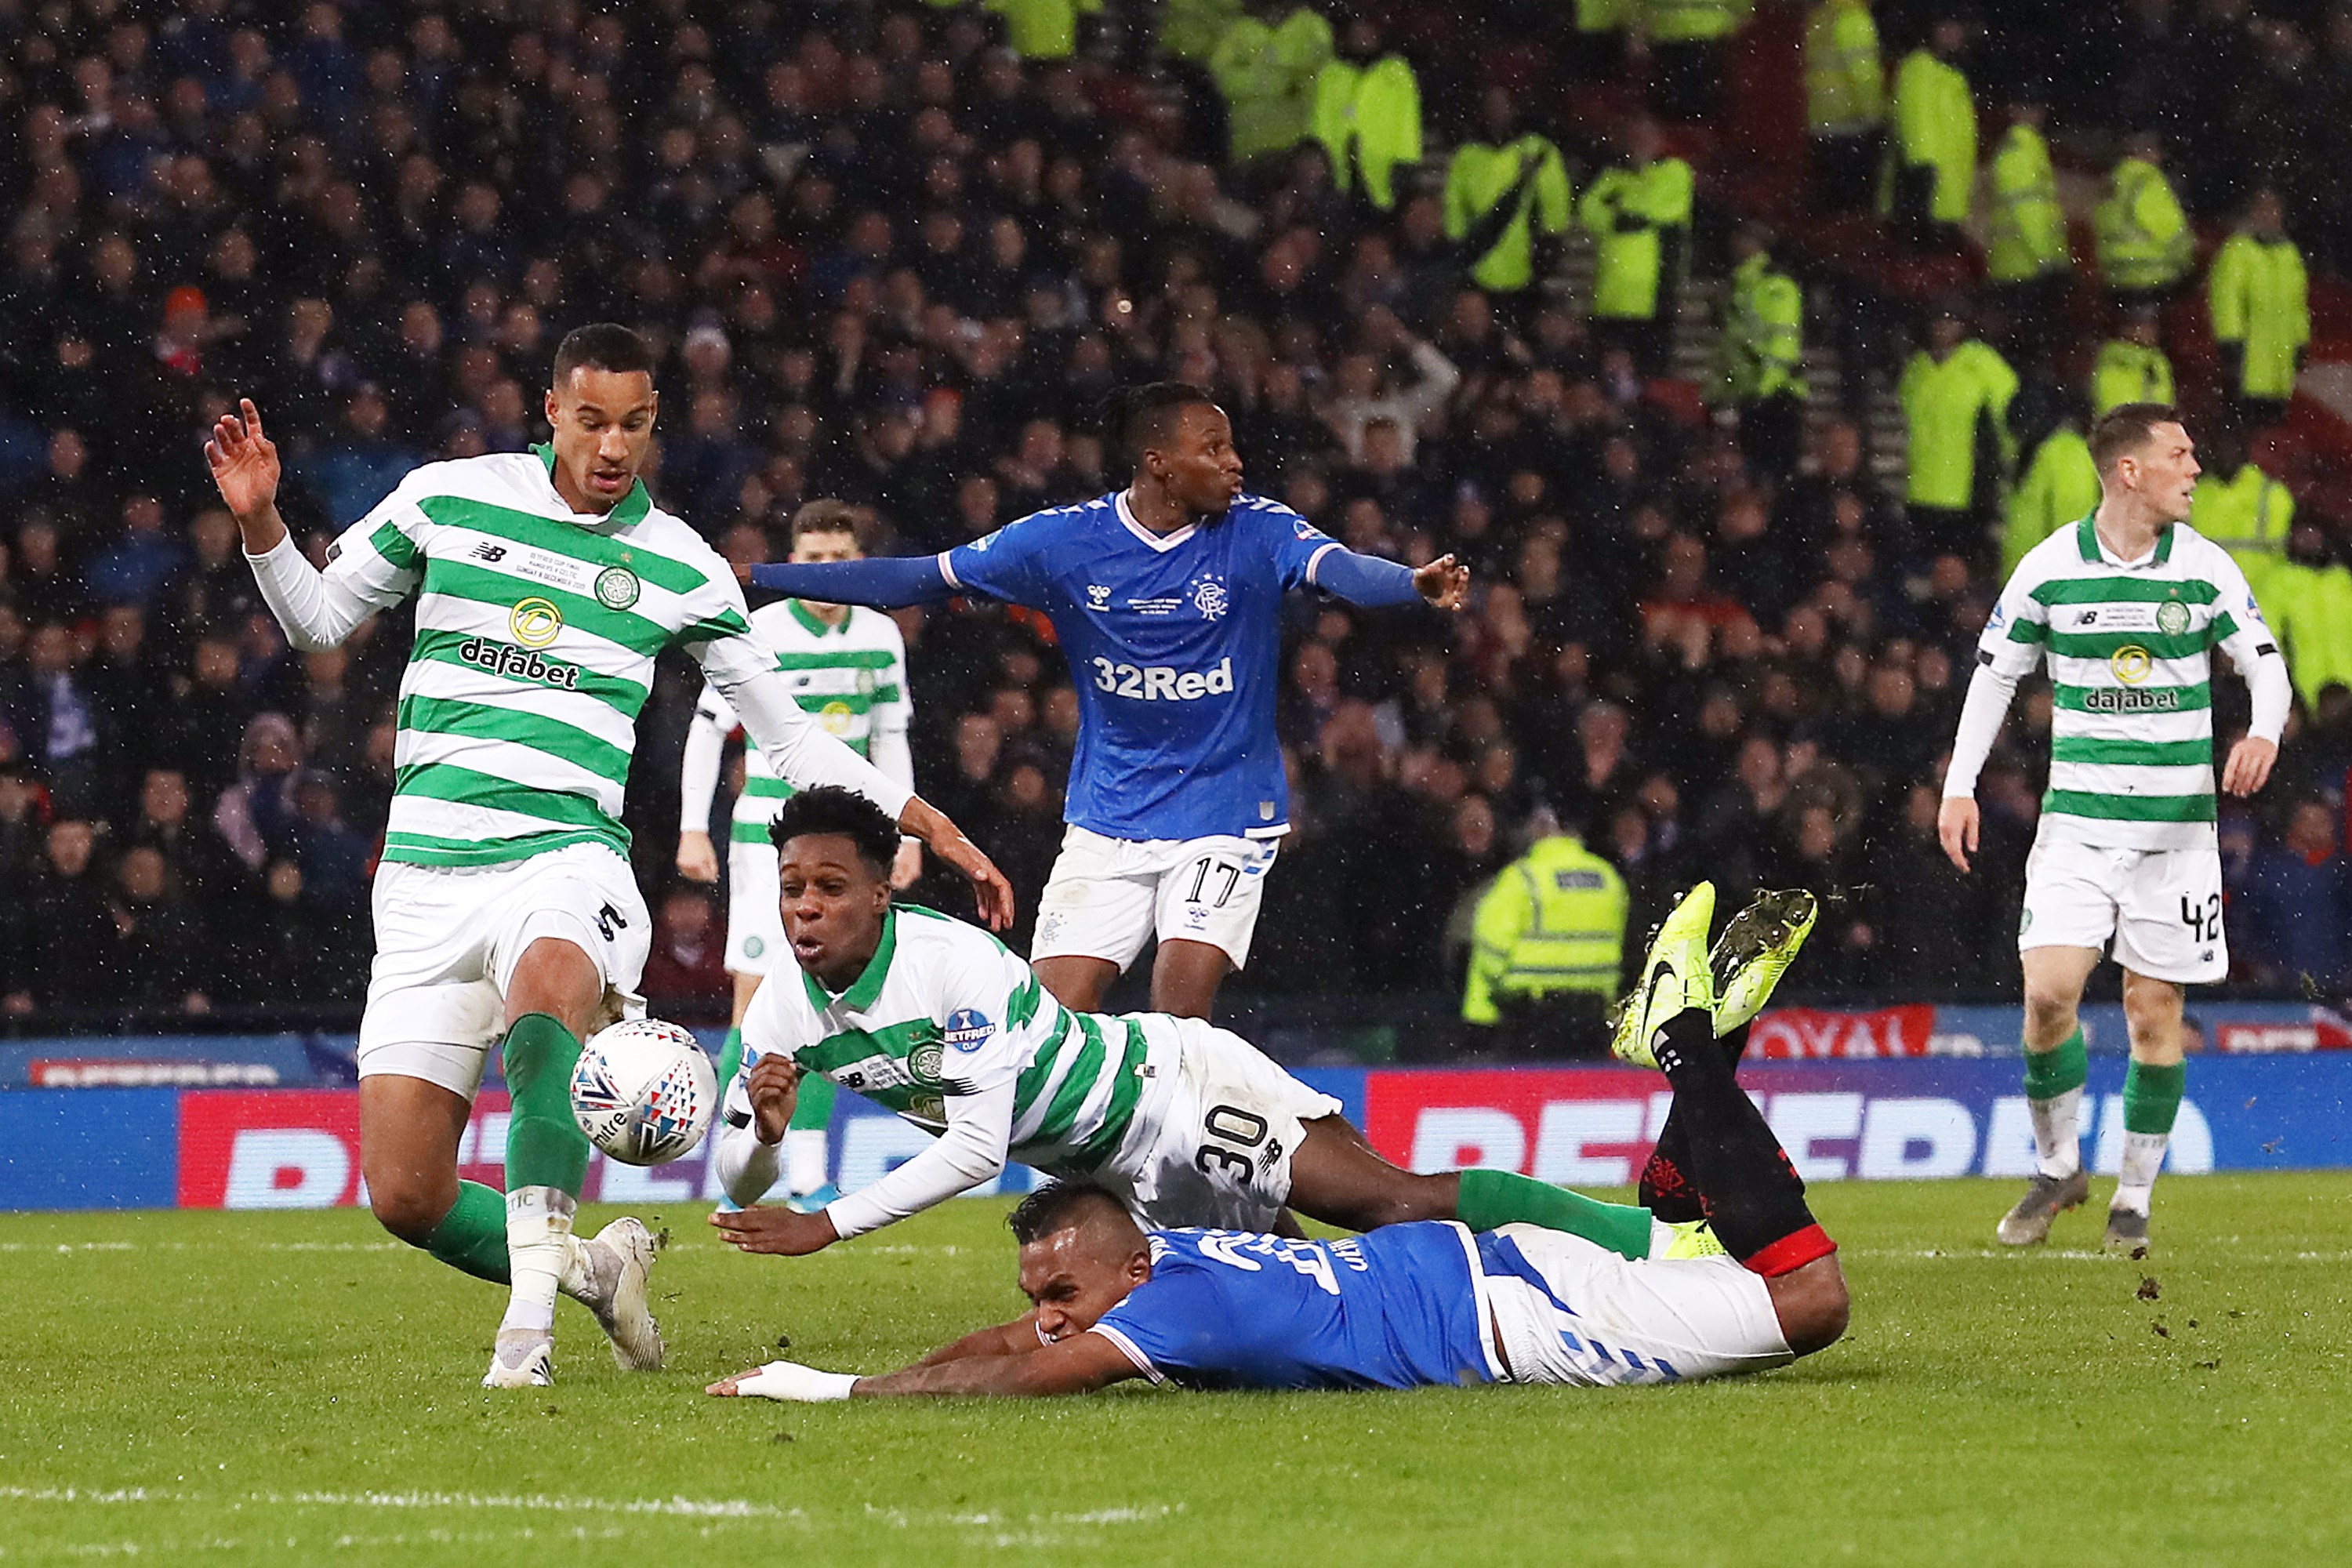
x,y
607,1275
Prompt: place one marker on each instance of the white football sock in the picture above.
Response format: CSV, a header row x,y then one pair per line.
x,y
803,1160
2136,1178
2057,1142
539,1253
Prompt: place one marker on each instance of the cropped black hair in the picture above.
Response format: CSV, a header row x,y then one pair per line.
x,y
1137,417
829,809
603,345
1057,1206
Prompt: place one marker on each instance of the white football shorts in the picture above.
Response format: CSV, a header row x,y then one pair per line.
x,y
448,939
755,922
2161,907
1591,1317
1215,1148
1107,896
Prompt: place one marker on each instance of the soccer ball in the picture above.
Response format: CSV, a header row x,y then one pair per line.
x,y
644,1092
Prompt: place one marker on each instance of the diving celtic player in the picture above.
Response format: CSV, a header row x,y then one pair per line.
x,y
1188,1124
2126,607
546,584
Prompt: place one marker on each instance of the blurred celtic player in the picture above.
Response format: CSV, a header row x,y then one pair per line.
x,y
2126,607
847,664
1189,1123
546,584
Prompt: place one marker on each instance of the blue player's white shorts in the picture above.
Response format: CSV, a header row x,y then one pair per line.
x,y
1108,896
2161,908
1589,1316
448,939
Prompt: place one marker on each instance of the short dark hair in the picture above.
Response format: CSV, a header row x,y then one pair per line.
x,y
2125,428
825,516
829,809
1057,1206
1144,416
603,346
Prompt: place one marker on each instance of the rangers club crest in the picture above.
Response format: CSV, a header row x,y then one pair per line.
x,y
1209,597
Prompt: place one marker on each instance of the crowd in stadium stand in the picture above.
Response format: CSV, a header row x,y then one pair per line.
x,y
898,253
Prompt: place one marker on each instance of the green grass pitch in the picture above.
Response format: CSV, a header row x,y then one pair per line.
x,y
209,1388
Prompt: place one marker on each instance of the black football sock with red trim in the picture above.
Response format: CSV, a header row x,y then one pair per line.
x,y
1749,1190
1666,1188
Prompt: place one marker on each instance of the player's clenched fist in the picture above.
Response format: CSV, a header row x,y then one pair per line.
x,y
774,1085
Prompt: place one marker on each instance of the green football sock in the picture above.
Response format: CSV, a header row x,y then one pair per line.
x,y
2051,1073
812,1111
2152,1096
730,1059
1491,1199
472,1237
545,1147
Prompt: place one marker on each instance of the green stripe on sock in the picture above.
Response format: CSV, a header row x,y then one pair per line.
x,y
472,1237
2152,1096
1491,1199
545,1147
2048,1074
812,1111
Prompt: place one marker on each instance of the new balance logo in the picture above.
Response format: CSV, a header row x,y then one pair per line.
x,y
487,551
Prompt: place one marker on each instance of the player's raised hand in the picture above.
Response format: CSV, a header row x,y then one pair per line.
x,y
989,890
773,1085
697,861
780,1232
244,463
1957,821
2250,763
1444,582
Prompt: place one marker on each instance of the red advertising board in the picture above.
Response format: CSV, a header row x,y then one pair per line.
x,y
300,1147
1814,1034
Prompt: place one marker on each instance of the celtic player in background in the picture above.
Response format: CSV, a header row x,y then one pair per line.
x,y
847,664
547,582
2127,606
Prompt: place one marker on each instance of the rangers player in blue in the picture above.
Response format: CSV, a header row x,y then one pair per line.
x,y
1166,597
1427,1303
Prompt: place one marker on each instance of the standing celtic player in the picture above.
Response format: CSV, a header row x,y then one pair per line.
x,y
546,584
847,665
2127,606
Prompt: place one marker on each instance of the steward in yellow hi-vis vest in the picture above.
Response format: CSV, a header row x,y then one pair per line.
x,y
2261,312
2145,245
1546,945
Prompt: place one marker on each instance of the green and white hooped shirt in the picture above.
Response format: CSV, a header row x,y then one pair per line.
x,y
2129,646
536,629
944,1016
851,678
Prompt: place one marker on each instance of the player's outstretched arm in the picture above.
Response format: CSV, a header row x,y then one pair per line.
x,y
1080,1365
1370,581
880,581
1018,1337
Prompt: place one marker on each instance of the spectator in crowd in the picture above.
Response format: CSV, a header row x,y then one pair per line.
x,y
1506,199
2299,894
686,972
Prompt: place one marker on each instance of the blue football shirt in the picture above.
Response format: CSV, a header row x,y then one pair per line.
x,y
1175,644
1395,1308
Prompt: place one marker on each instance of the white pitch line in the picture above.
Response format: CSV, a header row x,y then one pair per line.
x,y
677,1507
